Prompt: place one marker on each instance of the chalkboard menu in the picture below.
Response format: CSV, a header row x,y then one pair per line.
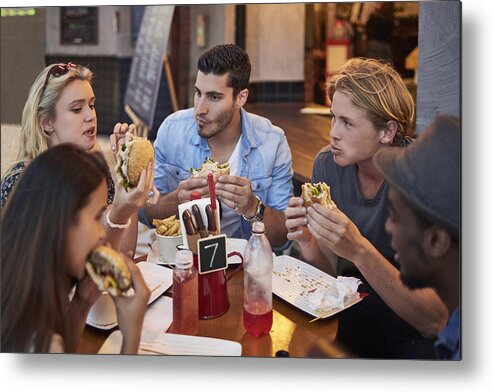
x,y
79,25
147,63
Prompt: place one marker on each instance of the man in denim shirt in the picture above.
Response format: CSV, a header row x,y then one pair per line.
x,y
260,182
424,219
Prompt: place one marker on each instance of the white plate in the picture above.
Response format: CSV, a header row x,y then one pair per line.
x,y
293,280
173,344
103,313
232,245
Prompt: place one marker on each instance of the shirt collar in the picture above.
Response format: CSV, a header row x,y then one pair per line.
x,y
250,138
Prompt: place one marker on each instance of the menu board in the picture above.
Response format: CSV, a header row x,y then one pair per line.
x,y
147,63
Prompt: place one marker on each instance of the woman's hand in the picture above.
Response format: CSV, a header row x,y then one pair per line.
x,y
128,202
86,294
332,229
130,311
118,135
296,221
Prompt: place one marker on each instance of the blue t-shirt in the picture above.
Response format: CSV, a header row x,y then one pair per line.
x,y
448,344
265,159
370,328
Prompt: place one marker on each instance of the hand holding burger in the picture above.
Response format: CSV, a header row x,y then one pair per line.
x,y
210,166
133,156
296,213
124,281
110,272
318,193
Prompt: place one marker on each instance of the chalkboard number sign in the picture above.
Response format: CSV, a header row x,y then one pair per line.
x,y
212,254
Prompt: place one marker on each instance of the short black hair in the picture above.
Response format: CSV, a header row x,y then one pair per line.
x,y
228,58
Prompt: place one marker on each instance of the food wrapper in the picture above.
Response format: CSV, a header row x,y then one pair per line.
x,y
325,299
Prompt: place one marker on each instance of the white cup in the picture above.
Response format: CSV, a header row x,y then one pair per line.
x,y
166,247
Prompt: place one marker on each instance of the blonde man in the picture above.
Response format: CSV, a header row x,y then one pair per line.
x,y
371,109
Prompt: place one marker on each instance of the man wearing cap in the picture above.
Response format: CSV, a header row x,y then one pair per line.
x,y
424,219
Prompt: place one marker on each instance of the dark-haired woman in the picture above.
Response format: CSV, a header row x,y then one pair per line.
x,y
49,226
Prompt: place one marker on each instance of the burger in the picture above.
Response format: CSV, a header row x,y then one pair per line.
x,y
210,166
108,270
132,157
318,193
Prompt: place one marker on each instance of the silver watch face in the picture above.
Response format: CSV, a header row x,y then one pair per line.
x,y
259,213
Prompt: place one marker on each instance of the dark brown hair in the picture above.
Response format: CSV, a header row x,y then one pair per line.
x,y
35,222
230,59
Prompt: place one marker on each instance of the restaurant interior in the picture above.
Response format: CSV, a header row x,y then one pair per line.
x,y
282,82
292,47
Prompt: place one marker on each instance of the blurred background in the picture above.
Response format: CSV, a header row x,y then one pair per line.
x,y
287,43
292,48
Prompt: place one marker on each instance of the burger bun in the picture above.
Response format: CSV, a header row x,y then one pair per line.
x,y
109,271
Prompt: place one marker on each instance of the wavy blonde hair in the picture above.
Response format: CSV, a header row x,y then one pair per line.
x,y
40,105
379,90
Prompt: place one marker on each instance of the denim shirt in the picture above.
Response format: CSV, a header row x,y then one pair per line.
x,y
265,159
448,344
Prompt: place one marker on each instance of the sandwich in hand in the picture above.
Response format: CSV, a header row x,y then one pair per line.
x,y
108,270
211,166
133,155
318,193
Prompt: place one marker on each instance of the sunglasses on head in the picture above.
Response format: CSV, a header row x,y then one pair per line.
x,y
58,70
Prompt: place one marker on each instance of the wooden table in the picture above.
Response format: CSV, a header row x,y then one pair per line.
x,y
307,134
291,330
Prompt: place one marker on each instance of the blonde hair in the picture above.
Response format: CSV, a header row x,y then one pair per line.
x,y
378,89
40,104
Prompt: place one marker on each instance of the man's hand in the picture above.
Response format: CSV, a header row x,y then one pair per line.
x,y
334,230
236,193
296,220
186,187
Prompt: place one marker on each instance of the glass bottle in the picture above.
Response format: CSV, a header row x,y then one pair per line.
x,y
257,299
185,294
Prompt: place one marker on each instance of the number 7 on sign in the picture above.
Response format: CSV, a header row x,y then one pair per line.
x,y
215,245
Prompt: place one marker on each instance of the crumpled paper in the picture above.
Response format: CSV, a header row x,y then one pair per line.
x,y
325,299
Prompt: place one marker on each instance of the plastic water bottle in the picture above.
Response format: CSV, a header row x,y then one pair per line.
x,y
257,300
185,294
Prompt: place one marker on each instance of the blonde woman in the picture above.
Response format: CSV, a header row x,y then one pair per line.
x,y
61,108
371,109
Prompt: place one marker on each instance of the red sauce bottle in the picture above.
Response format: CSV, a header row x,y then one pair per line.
x,y
185,294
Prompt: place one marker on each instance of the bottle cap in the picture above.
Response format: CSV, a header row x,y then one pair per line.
x,y
195,195
184,258
258,227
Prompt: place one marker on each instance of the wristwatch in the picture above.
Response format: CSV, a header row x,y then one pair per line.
x,y
259,213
